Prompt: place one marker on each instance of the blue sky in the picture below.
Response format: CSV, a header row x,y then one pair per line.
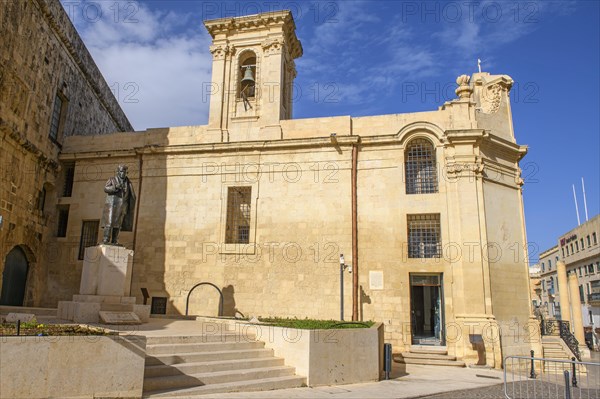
x,y
380,57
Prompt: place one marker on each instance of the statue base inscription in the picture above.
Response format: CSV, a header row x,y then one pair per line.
x,y
105,288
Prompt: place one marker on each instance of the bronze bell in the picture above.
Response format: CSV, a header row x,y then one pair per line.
x,y
248,78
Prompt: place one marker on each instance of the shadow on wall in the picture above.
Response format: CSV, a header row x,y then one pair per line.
x,y
364,298
229,309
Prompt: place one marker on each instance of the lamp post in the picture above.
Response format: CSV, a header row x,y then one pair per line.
x,y
343,266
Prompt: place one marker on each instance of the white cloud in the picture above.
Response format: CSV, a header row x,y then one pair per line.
x,y
155,68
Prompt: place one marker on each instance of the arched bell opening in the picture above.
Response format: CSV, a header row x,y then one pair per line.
x,y
247,74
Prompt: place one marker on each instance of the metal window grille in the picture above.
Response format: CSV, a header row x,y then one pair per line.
x,y
69,178
63,220
89,236
424,236
159,305
238,215
55,121
420,168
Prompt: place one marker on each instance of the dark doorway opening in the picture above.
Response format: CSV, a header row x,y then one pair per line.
x,y
14,278
426,309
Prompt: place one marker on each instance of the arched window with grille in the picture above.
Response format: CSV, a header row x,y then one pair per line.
x,y
420,167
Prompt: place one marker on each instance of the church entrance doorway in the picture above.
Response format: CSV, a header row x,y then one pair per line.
x,y
426,309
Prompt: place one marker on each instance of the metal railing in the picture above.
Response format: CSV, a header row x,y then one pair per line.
x,y
562,329
541,378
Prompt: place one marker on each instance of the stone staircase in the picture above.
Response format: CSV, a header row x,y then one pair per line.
x,y
428,355
206,364
554,348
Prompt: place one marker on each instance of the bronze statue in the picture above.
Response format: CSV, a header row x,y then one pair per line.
x,y
118,207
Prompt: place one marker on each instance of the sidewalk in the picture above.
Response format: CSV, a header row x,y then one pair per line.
x,y
408,382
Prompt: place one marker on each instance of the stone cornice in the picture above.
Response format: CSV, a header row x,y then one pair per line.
x,y
252,23
27,145
216,147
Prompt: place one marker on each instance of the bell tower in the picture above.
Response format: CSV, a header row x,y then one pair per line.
x,y
252,75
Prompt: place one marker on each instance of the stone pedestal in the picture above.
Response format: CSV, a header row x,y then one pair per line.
x,y
104,290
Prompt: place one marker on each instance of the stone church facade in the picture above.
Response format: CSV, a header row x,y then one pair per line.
x,y
426,207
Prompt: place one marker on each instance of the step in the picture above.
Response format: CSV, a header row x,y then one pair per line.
x,y
411,355
218,377
430,362
199,338
116,307
175,349
438,350
210,367
191,357
263,384
6,309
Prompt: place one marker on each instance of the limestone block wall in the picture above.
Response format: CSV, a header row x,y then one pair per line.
x,y
301,221
41,57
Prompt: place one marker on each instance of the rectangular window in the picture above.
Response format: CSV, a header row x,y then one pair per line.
x,y
69,178
591,268
159,305
89,236
576,246
238,215
580,271
41,202
598,267
56,120
549,264
594,238
63,220
544,285
543,267
581,241
567,250
571,246
424,238
563,252
581,296
588,240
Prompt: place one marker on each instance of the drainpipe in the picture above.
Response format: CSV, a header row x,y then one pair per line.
x,y
354,235
137,213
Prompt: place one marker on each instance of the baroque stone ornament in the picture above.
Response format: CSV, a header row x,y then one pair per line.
x,y
273,46
491,96
463,90
219,51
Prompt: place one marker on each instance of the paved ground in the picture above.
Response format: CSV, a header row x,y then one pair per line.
x,y
407,381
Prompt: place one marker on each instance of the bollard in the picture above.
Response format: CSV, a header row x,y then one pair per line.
x,y
567,389
387,360
574,372
19,327
532,373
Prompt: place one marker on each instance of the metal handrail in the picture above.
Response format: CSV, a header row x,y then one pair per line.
x,y
550,327
187,301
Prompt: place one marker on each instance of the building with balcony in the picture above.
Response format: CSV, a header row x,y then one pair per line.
x,y
579,249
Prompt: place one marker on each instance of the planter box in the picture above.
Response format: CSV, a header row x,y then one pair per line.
x,y
72,366
324,357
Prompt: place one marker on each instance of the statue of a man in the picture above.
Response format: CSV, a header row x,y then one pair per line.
x,y
118,207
